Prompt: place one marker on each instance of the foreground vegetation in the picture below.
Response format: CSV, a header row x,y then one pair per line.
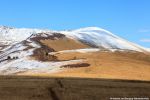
x,y
44,88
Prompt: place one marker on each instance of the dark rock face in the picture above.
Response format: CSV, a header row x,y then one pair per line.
x,y
43,36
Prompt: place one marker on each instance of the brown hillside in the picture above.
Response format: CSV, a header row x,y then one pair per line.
x,y
117,65
64,44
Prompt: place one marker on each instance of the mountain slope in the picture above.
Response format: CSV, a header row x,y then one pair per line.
x,y
30,54
98,37
17,34
47,51
93,36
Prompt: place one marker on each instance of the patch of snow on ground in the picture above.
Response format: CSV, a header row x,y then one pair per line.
x,y
25,64
33,44
87,50
148,49
52,67
77,50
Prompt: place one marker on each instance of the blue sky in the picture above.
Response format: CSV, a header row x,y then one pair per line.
x,y
129,19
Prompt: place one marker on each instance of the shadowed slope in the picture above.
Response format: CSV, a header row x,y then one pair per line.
x,y
43,88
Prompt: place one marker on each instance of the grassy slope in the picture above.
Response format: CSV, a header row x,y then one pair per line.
x,y
116,65
64,44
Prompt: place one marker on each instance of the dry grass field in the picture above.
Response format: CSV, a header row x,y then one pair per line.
x,y
64,44
117,65
45,88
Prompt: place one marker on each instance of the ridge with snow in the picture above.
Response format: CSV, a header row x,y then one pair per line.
x,y
102,38
95,36
19,42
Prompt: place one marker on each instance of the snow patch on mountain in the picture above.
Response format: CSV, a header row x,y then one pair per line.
x,y
18,50
25,64
95,36
102,38
87,50
17,34
148,49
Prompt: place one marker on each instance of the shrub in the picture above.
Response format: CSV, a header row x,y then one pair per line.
x,y
74,58
46,53
8,57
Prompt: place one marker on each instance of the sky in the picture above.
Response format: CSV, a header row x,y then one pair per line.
x,y
129,19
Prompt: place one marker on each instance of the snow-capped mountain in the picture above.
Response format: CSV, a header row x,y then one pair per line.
x,y
101,38
93,36
9,35
23,43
